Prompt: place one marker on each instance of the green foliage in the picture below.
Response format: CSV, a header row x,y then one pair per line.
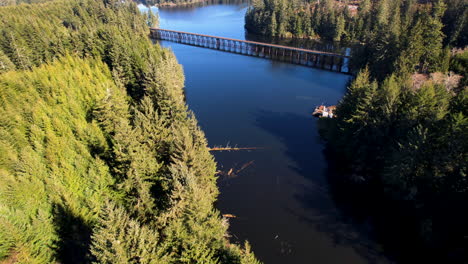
x,y
325,17
119,239
459,65
152,20
401,139
455,20
300,19
45,150
5,63
279,18
339,28
100,159
116,33
411,144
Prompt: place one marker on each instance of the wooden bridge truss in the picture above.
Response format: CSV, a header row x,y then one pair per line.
x,y
325,60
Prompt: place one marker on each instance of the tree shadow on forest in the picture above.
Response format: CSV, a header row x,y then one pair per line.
x,y
326,209
73,245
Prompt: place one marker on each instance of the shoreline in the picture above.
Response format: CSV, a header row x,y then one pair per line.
x,y
198,2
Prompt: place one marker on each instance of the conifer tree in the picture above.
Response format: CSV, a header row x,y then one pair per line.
x,y
119,239
339,28
383,13
433,39
5,63
152,18
272,25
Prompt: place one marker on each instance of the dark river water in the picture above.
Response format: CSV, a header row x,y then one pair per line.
x,y
278,193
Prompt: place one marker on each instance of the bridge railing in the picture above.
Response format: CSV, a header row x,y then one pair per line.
x,y
313,58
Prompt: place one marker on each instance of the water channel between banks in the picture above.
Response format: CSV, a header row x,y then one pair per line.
x,y
280,193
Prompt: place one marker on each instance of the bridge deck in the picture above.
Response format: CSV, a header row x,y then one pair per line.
x,y
257,43
314,58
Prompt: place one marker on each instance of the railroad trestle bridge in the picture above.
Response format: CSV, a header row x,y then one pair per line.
x,y
313,58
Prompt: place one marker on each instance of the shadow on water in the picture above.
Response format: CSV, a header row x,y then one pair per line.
x,y
73,245
295,132
324,209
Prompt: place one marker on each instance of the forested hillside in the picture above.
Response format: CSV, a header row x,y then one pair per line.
x,y
100,160
349,20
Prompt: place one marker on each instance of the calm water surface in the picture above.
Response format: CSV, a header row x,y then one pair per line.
x,y
279,193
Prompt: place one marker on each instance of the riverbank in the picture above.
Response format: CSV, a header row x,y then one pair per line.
x,y
172,4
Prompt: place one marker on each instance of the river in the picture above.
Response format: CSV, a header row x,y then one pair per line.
x,y
279,193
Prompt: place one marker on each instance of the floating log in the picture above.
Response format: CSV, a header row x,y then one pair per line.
x,y
231,149
229,216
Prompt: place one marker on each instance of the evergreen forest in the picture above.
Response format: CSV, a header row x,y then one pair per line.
x,y
100,159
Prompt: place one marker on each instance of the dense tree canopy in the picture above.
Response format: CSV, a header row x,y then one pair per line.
x,y
350,21
100,161
407,139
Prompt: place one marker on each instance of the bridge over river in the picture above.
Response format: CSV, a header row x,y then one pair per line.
x,y
313,58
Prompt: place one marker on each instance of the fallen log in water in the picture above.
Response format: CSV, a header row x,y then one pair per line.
x,y
229,216
231,148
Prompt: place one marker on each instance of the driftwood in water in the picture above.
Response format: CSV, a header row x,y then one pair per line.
x,y
229,216
245,166
232,173
231,148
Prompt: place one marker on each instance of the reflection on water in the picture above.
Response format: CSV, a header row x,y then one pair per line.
x,y
279,192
